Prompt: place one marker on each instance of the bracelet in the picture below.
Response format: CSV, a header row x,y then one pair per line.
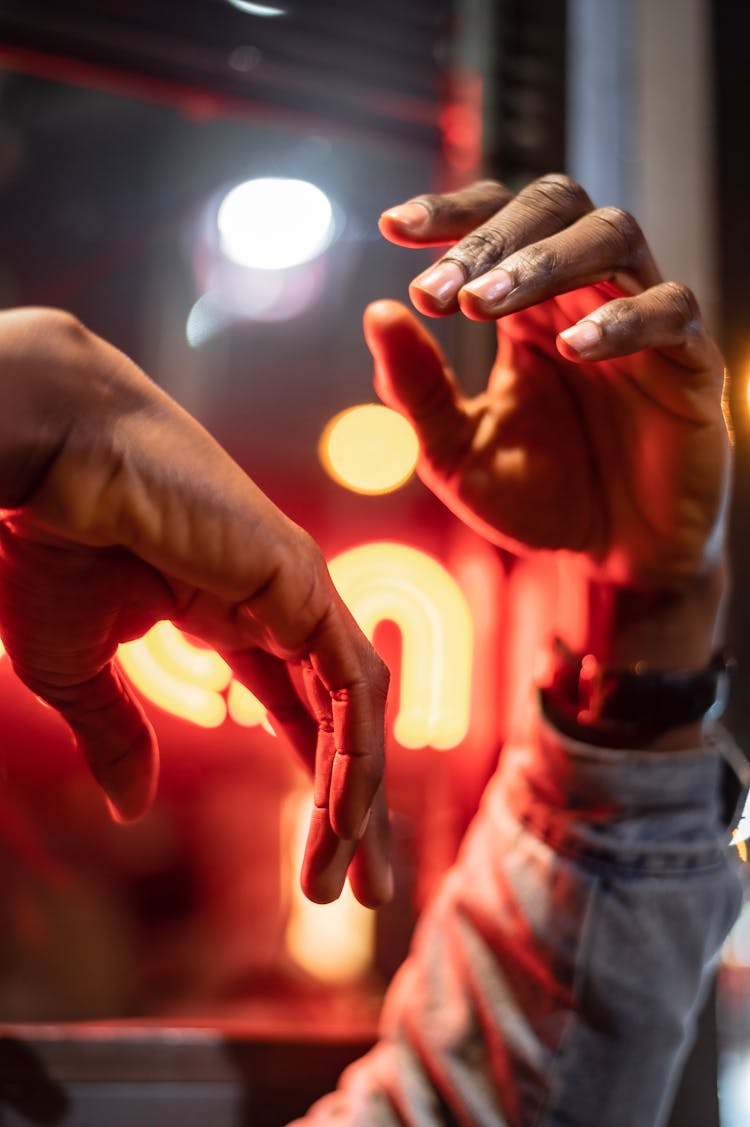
x,y
625,708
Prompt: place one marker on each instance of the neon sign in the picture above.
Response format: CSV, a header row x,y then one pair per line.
x,y
187,680
395,582
379,581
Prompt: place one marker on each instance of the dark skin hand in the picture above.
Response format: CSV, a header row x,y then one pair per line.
x,y
600,437
121,510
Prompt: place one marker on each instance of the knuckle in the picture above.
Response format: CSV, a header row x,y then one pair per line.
x,y
478,251
626,317
480,194
539,260
487,186
622,227
381,674
304,553
559,193
375,676
683,302
488,195
483,196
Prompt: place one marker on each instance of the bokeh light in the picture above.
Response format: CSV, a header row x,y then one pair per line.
x,y
369,449
333,942
273,224
252,9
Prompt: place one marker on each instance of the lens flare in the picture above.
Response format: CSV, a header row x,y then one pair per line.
x,y
273,224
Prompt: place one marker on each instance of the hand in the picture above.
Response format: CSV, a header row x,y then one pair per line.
x,y
121,510
601,430
600,435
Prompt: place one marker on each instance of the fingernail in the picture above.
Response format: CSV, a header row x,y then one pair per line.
x,y
363,825
582,337
412,216
129,801
122,809
442,282
491,287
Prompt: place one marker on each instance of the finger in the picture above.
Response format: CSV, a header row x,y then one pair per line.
x,y
269,680
606,244
302,617
370,873
328,859
544,207
112,732
349,704
412,377
665,317
329,849
434,220
327,856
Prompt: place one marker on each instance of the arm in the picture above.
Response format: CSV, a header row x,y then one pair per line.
x,y
556,976
120,510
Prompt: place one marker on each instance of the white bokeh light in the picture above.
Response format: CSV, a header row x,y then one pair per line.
x,y
257,9
272,224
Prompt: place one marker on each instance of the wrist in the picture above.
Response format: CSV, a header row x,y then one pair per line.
x,y
634,668
638,707
677,628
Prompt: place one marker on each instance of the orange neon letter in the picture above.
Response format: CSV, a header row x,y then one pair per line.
x,y
187,680
387,580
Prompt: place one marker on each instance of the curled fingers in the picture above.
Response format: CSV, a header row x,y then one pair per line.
x,y
665,317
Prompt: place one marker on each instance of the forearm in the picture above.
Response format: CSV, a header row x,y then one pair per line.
x,y
556,976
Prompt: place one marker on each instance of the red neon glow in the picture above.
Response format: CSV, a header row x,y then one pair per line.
x,y
461,123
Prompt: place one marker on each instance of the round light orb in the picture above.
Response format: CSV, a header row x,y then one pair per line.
x,y
369,449
272,223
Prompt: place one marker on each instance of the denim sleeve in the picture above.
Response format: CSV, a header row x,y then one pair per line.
x,y
555,979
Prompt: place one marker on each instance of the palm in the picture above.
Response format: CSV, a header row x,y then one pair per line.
x,y
624,460
65,608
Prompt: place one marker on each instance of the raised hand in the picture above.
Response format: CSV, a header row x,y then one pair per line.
x,y
120,510
601,432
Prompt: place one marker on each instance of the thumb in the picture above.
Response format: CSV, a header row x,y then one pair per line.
x,y
114,736
413,377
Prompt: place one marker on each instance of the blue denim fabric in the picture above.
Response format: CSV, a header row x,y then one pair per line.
x,y
555,979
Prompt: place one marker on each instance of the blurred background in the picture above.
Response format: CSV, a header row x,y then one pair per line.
x,y
200,181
